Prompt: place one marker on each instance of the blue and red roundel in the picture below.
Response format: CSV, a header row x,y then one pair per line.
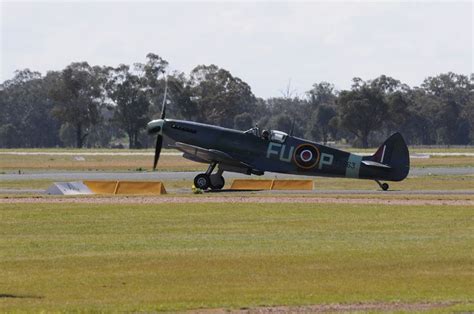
x,y
306,156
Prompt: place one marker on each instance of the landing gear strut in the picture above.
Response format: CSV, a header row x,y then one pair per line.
x,y
207,180
384,186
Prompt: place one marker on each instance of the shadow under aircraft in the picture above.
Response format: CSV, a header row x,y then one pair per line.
x,y
255,151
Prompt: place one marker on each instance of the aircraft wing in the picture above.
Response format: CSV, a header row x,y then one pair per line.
x,y
205,155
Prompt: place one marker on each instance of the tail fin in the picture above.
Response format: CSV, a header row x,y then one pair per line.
x,y
394,154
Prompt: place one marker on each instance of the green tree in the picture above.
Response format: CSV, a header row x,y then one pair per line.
x,y
131,103
180,97
243,121
454,97
287,113
152,74
362,111
219,96
282,122
321,93
322,108
78,95
323,117
394,93
9,136
468,111
25,112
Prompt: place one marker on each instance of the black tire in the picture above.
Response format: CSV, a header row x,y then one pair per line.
x,y
202,181
217,182
385,186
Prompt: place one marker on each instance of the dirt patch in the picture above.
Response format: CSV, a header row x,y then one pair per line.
x,y
325,308
230,199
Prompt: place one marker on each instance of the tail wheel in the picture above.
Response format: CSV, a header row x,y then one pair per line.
x,y
217,182
202,181
384,186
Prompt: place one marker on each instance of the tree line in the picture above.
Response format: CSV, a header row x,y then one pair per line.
x,y
103,106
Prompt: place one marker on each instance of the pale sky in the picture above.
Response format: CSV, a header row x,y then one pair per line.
x,y
264,43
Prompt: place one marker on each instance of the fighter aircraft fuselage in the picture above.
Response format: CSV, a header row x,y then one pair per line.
x,y
287,154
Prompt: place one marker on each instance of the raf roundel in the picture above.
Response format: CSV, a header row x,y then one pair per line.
x,y
306,156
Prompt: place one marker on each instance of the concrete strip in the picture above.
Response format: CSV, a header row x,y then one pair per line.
x,y
185,175
79,153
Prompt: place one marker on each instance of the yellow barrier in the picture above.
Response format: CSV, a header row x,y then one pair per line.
x,y
102,187
243,184
292,185
126,187
143,188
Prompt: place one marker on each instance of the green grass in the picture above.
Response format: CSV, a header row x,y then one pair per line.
x,y
414,149
88,150
418,150
140,162
45,163
25,184
409,184
187,256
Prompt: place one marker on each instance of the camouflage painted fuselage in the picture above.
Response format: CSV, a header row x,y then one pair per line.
x,y
293,155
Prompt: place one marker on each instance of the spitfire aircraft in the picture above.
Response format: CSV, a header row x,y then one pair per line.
x,y
257,151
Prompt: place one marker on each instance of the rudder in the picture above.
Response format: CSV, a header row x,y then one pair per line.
x,y
394,153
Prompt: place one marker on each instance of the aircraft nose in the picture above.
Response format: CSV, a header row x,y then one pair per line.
x,y
155,126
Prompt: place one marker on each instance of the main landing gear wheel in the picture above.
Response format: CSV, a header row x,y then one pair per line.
x,y
202,181
207,180
217,181
384,186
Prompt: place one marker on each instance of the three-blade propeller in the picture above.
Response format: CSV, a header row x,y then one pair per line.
x,y
157,127
159,143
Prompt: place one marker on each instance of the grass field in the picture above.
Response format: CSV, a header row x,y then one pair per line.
x,y
413,149
188,256
10,163
139,162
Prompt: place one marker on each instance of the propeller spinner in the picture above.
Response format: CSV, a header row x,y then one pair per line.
x,y
156,127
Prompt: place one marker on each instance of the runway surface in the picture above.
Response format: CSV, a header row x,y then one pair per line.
x,y
177,153
167,176
179,176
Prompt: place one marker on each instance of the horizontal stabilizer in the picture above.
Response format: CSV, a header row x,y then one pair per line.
x,y
375,164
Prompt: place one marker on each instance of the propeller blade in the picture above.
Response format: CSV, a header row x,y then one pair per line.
x,y
163,108
159,143
292,127
163,112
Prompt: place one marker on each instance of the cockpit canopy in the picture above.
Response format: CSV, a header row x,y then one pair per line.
x,y
278,136
275,136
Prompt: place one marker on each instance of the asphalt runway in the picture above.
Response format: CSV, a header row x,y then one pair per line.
x,y
178,176
178,153
168,176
